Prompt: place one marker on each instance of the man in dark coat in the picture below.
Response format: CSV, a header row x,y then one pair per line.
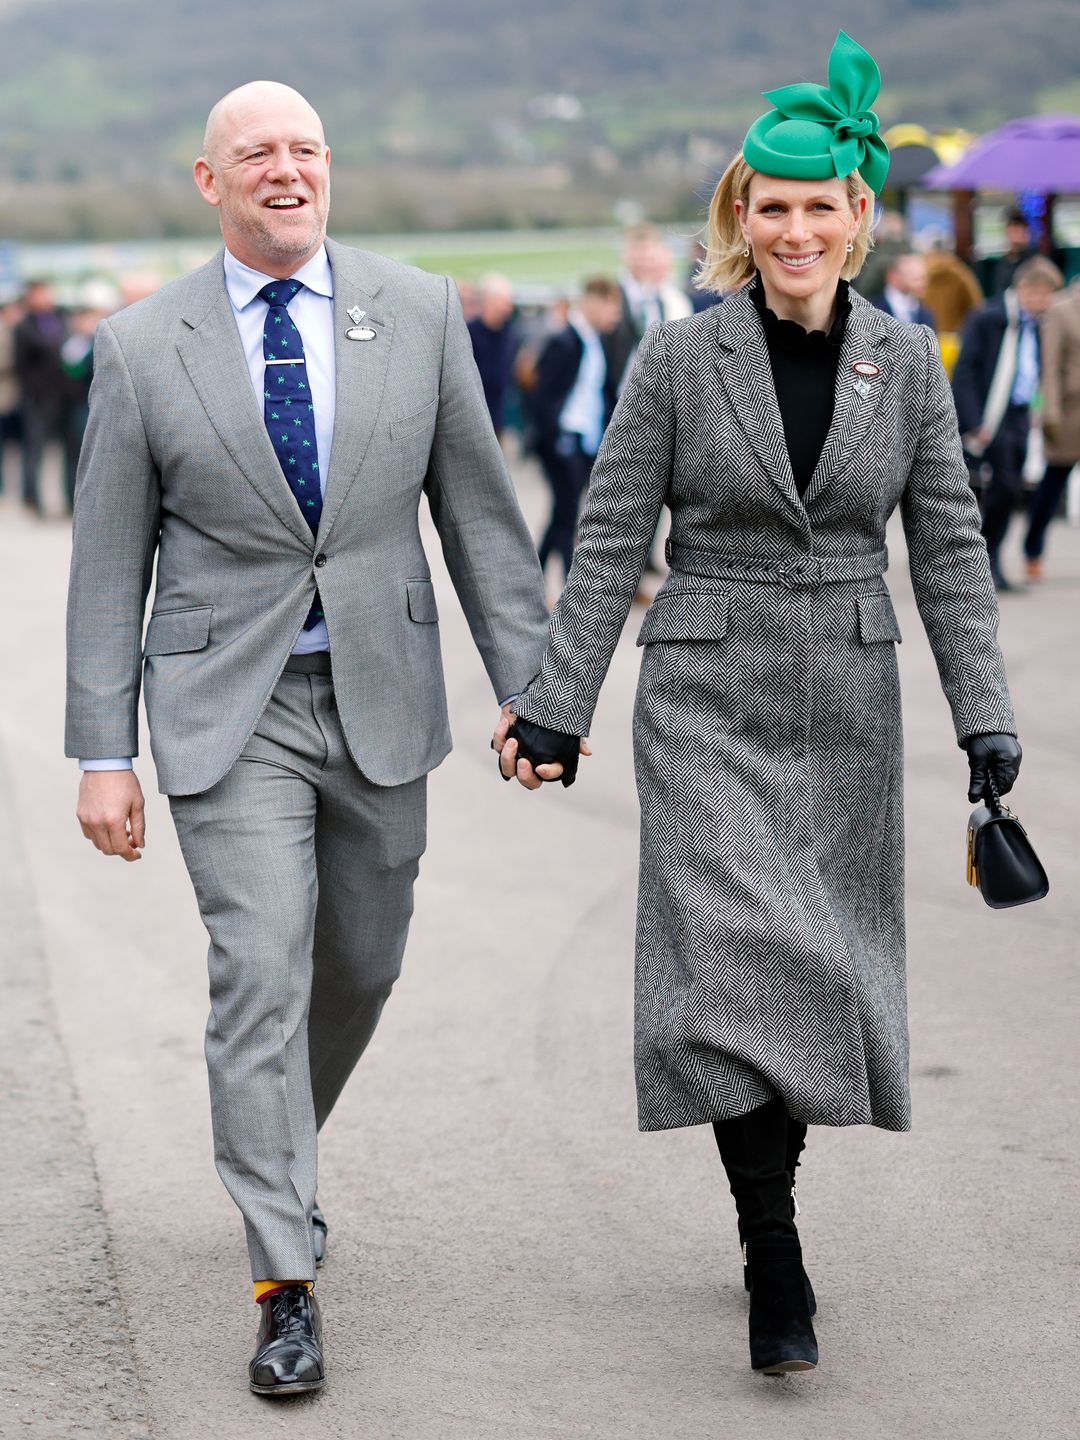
x,y
994,383
494,339
1018,249
646,297
570,406
904,291
39,338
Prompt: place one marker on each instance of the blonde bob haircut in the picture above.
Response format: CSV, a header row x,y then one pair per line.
x,y
725,267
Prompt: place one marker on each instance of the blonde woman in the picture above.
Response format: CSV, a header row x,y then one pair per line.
x,y
781,428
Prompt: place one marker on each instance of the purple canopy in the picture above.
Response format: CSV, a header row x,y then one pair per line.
x,y
1041,152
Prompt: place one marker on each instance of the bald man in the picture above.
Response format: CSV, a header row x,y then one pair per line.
x,y
264,429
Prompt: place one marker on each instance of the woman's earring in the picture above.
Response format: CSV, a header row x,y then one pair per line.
x,y
850,247
746,252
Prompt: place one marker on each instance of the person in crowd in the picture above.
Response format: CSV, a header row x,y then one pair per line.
x,y
995,380
1018,248
77,362
699,299
782,428
952,290
570,406
255,433
905,291
1059,334
891,240
10,411
39,338
135,285
494,339
648,296
466,291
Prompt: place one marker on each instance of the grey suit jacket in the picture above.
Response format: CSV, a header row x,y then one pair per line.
x,y
177,466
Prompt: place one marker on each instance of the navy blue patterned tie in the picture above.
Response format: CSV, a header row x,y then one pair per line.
x,y
288,408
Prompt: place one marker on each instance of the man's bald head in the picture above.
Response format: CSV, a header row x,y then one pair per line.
x,y
244,105
266,169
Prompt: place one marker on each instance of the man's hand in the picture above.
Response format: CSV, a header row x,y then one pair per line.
x,y
112,812
511,763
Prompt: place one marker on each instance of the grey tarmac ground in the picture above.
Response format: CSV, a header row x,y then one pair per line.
x,y
510,1259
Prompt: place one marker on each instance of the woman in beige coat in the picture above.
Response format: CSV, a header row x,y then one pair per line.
x,y
1060,340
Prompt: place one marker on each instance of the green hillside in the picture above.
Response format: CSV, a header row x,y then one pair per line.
x,y
480,112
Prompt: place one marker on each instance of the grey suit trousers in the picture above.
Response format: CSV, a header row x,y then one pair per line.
x,y
304,875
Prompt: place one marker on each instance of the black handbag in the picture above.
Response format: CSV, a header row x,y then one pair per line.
x,y
1001,860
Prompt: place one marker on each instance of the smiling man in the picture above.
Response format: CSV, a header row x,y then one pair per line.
x,y
265,429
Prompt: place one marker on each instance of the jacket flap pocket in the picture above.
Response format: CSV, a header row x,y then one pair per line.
x,y
877,620
685,615
422,605
171,632
405,425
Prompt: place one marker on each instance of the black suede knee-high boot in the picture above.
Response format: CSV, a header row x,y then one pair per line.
x,y
754,1149
795,1145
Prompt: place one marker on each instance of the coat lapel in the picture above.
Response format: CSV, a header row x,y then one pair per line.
x,y
743,363
361,368
857,396
213,356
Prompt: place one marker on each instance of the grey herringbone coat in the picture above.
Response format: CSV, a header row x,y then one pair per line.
x,y
767,730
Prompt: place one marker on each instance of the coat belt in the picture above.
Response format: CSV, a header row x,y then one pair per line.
x,y
801,572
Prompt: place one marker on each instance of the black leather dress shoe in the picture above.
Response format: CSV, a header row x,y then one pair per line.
x,y
288,1359
319,1230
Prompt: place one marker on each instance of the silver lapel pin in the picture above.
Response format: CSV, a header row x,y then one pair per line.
x,y
862,369
355,314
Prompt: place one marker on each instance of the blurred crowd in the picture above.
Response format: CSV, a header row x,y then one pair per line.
x,y
46,366
552,371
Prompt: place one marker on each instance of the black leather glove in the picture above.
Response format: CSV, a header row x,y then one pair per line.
x,y
541,746
992,755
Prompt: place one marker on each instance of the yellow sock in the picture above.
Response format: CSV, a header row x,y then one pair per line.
x,y
267,1287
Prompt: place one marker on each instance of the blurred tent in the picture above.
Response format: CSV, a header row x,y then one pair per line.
x,y
1040,152
1038,155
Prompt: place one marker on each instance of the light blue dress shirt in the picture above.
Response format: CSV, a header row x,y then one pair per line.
x,y
313,311
583,412
1027,362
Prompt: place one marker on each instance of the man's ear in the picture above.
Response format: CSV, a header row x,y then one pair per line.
x,y
205,182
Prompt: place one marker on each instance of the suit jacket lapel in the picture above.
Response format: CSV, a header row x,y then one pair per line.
x,y
361,368
857,396
743,363
213,356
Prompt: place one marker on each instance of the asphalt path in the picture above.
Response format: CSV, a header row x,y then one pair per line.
x,y
509,1257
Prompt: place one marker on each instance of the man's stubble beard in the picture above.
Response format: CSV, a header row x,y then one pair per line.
x,y
276,246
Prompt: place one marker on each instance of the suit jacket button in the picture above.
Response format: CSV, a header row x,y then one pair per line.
x,y
320,560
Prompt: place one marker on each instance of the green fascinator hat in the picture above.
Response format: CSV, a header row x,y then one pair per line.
x,y
820,133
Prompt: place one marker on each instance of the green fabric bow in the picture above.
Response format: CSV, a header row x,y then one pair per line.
x,y
815,132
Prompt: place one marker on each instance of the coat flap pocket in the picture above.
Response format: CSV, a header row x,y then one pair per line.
x,y
171,632
405,425
877,620
422,605
685,615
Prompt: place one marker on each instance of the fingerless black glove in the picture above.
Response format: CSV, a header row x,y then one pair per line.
x,y
992,755
541,746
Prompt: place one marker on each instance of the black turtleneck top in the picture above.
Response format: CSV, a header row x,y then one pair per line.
x,y
804,365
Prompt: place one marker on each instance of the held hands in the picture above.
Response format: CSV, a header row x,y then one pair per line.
x,y
112,812
535,754
998,756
